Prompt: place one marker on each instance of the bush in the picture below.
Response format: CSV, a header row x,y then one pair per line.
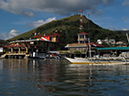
x,y
76,52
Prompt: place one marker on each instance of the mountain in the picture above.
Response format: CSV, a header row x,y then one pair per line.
x,y
70,28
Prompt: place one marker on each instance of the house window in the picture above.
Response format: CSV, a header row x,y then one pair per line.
x,y
81,36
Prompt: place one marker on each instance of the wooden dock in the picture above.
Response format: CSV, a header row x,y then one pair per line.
x,y
15,55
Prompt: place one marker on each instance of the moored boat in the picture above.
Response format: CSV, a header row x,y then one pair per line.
x,y
98,61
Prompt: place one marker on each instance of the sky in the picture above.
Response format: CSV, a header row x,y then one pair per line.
x,y
20,16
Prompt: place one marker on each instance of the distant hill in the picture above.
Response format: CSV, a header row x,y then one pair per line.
x,y
70,28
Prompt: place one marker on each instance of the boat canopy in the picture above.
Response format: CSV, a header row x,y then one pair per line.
x,y
53,52
113,48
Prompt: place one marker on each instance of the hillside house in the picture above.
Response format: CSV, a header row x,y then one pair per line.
x,y
83,44
55,37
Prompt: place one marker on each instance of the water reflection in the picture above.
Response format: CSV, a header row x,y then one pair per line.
x,y
103,78
45,73
58,77
14,64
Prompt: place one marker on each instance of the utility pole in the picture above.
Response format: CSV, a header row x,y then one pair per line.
x,y
127,37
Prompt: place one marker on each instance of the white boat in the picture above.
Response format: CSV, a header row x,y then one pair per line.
x,y
98,61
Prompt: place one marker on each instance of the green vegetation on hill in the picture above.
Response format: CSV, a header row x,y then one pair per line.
x,y
70,28
2,42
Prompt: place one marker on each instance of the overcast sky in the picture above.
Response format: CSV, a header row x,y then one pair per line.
x,y
19,16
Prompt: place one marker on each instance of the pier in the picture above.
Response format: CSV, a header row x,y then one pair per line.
x,y
15,55
27,48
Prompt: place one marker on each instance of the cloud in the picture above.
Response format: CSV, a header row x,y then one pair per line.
x,y
28,7
125,2
11,34
14,32
113,29
39,22
125,29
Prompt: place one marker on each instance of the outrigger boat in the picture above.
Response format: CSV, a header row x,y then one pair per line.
x,y
98,61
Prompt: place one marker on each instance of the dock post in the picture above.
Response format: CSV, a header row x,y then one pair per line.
x,y
19,50
26,50
11,50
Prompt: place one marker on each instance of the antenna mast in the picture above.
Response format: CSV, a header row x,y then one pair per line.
x,y
127,37
81,24
88,20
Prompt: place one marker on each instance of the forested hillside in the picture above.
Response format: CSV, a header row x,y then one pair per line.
x,y
2,42
70,28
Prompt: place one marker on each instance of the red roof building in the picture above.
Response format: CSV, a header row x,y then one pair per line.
x,y
83,44
82,37
82,33
52,37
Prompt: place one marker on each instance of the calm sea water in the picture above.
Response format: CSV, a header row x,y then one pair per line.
x,y
20,77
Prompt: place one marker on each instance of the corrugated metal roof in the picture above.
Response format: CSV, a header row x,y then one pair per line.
x,y
114,48
82,33
29,40
82,45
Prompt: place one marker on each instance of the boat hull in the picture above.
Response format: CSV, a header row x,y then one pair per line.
x,y
95,62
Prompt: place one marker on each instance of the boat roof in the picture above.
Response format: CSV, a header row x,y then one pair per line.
x,y
53,52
